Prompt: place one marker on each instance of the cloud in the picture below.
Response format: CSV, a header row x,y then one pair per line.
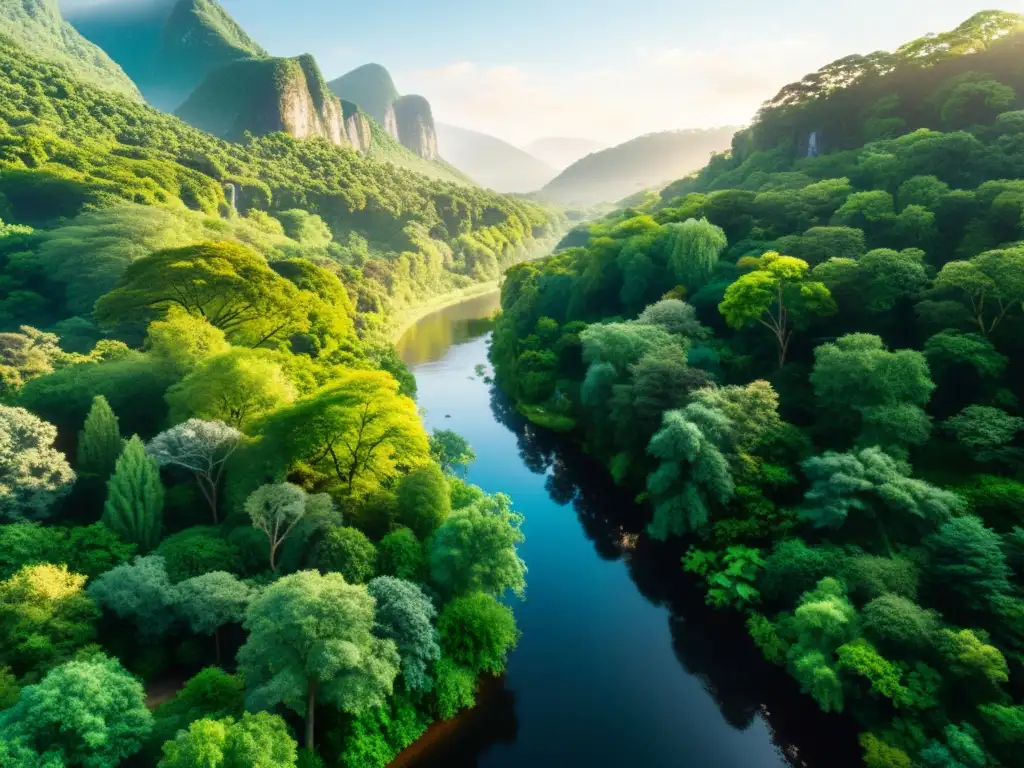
x,y
650,89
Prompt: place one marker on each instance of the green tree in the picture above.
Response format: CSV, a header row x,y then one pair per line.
x,y
211,693
451,450
693,247
229,285
99,443
235,387
89,550
198,550
139,592
779,295
208,602
675,316
405,615
475,550
135,498
278,509
258,740
347,551
90,713
399,554
201,447
33,474
991,284
45,616
182,340
478,632
966,565
310,639
872,486
455,688
899,624
986,432
423,500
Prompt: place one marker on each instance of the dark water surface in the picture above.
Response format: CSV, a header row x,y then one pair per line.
x,y
620,662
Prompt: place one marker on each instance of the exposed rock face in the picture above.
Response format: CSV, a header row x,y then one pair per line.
x,y
262,96
391,122
371,87
357,127
416,129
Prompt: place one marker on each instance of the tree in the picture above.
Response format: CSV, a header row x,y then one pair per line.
x,y
451,450
900,624
45,616
182,340
198,550
693,474
872,484
423,500
347,551
99,443
358,430
211,693
135,498
227,284
201,447
258,740
405,615
475,550
478,632
623,344
778,295
753,411
455,688
90,713
675,316
693,248
986,432
310,639
33,474
966,565
139,592
863,387
89,550
400,554
992,284
277,509
235,387
208,602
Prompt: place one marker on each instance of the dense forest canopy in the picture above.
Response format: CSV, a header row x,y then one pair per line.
x,y
806,359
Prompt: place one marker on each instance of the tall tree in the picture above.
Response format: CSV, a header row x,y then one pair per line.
x,y
310,639
139,592
778,295
423,500
405,615
991,284
278,509
33,474
99,443
693,250
135,498
211,600
203,448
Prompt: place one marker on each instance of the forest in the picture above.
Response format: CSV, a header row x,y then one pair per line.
x,y
805,360
226,538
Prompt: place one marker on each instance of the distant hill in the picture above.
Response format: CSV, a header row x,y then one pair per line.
x,y
39,26
561,152
491,162
647,161
371,87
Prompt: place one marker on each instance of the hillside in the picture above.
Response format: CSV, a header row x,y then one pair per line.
x,y
261,96
491,162
561,151
371,87
647,161
39,26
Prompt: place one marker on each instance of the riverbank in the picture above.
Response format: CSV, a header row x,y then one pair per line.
x,y
408,318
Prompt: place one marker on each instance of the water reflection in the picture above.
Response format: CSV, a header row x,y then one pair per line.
x,y
434,334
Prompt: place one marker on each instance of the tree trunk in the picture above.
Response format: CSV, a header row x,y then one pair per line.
x,y
310,709
273,557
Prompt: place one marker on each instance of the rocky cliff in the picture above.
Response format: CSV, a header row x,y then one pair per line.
x,y
416,129
371,87
262,96
357,127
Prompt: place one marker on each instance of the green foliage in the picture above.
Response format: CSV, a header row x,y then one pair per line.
x,y
451,450
99,443
767,637
182,340
210,601
88,713
477,632
348,552
730,577
33,474
259,740
966,565
423,500
400,554
89,550
45,616
139,592
878,754
474,550
278,509
197,550
405,615
212,693
135,498
455,688
863,659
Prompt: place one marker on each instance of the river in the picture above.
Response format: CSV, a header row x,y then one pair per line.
x,y
620,663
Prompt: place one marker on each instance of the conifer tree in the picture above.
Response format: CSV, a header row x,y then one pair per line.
x,y
99,443
135,497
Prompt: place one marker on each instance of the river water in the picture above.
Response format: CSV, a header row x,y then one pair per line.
x,y
620,663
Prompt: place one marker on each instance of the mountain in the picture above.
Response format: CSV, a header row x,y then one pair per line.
x,y
371,87
491,162
415,123
39,26
561,152
168,47
263,96
647,161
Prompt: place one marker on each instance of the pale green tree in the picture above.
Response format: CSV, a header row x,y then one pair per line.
x,y
33,474
405,615
277,510
134,509
139,592
209,601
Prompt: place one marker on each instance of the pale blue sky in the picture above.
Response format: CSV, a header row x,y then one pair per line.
x,y
523,69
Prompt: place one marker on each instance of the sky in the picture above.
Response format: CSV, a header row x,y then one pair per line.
x,y
606,70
